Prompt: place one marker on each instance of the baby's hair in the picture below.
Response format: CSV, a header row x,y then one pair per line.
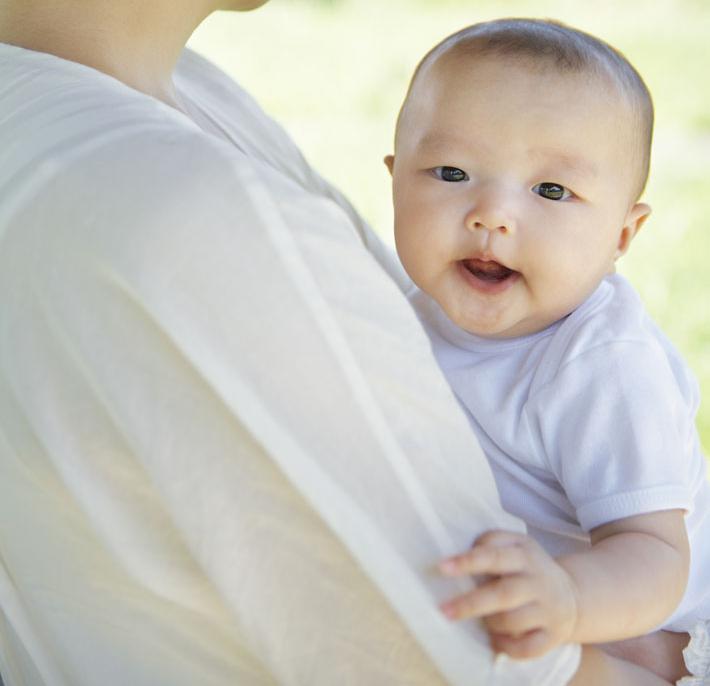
x,y
548,42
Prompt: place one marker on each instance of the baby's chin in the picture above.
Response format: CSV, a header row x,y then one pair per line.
x,y
493,328
506,328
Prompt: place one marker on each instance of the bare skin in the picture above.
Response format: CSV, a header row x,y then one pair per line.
x,y
598,667
523,599
661,652
533,602
136,42
139,43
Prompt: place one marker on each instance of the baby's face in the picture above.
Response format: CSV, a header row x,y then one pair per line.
x,y
512,191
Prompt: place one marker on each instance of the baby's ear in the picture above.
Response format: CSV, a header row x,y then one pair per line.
x,y
635,219
389,163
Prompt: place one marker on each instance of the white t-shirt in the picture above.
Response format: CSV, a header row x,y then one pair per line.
x,y
227,455
586,422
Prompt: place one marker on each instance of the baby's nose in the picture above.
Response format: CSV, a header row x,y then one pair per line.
x,y
490,211
501,228
495,222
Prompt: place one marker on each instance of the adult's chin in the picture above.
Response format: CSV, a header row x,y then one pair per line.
x,y
240,5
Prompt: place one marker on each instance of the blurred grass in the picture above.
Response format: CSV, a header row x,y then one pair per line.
x,y
334,72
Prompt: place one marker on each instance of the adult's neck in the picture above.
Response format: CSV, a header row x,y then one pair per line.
x,y
136,41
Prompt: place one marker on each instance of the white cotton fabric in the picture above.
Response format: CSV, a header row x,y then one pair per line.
x,y
697,656
227,455
588,421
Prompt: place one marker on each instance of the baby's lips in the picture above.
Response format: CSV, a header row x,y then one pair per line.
x,y
487,268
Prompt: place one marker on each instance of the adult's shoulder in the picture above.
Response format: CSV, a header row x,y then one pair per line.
x,y
153,166
63,123
126,176
96,177
147,206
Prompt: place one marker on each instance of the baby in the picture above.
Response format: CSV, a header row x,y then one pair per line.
x,y
521,152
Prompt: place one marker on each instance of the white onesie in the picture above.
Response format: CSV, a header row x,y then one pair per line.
x,y
586,422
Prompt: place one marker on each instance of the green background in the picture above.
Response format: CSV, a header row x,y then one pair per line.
x,y
334,72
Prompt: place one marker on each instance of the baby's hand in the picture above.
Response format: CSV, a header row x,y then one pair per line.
x,y
528,603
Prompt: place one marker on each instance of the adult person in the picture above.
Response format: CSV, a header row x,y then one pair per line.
x,y
221,429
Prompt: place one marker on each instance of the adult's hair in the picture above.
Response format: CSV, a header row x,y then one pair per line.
x,y
549,43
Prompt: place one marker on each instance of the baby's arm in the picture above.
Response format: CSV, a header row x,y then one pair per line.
x,y
630,580
596,667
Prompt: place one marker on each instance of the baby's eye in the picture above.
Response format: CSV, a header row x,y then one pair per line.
x,y
551,191
452,174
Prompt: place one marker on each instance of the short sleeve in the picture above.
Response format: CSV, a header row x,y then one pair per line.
x,y
617,433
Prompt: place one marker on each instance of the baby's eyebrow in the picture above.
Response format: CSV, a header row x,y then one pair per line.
x,y
434,141
571,163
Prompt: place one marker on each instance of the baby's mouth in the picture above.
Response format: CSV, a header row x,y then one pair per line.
x,y
488,270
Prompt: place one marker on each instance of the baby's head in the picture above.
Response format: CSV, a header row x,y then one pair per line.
x,y
521,151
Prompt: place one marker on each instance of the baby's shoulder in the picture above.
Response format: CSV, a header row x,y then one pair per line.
x,y
610,330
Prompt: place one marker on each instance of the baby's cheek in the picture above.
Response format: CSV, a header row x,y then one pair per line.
x,y
412,252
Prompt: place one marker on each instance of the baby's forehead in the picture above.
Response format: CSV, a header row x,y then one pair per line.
x,y
446,87
493,67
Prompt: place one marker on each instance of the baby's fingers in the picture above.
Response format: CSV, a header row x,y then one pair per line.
x,y
532,644
515,622
499,595
487,559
